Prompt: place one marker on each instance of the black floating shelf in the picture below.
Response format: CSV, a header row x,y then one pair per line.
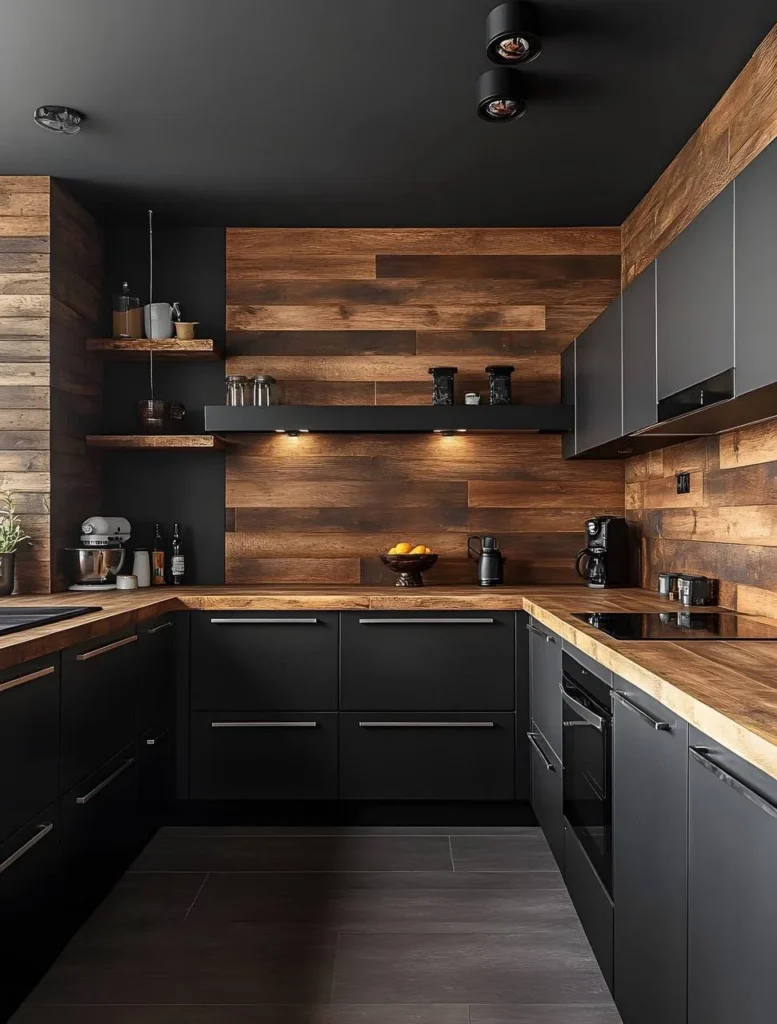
x,y
388,419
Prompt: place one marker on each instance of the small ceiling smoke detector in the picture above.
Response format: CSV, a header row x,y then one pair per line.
x,y
59,119
511,36
499,95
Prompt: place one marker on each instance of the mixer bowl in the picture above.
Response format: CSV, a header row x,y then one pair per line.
x,y
95,565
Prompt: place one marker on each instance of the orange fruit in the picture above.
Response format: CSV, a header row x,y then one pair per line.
x,y
392,551
420,549
403,548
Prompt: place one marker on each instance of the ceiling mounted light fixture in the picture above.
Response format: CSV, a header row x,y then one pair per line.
x,y
59,119
511,35
499,95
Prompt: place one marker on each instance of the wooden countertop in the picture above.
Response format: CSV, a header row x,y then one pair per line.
x,y
727,689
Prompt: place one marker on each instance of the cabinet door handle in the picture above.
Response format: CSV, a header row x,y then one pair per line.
x,y
656,723
590,716
43,830
538,632
28,678
108,647
424,622
153,740
426,725
263,725
105,782
264,622
701,755
545,759
156,629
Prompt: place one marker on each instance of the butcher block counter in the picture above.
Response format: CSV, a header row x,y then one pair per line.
x,y
726,689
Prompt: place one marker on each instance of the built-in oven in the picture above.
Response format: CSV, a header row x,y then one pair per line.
x,y
587,746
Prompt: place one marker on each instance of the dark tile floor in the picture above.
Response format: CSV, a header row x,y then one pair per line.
x,y
327,926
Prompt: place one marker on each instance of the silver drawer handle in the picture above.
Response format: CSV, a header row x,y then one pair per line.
x,y
424,622
43,830
153,740
263,725
264,622
701,755
591,717
657,724
108,647
106,782
165,625
538,632
28,678
545,759
426,725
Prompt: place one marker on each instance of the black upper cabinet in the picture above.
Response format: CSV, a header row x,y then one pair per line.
x,y
695,299
732,888
650,825
271,661
568,369
755,259
639,352
598,413
29,741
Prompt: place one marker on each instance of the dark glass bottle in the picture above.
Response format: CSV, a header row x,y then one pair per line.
x,y
177,563
158,558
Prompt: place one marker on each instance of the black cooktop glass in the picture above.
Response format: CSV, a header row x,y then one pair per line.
x,y
677,624
14,619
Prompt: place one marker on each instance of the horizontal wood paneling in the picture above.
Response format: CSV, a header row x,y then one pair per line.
x,y
742,124
358,317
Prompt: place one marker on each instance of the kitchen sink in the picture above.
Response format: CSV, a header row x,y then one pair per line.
x,y
13,620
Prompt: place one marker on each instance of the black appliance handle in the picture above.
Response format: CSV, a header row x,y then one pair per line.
x,y
590,716
580,556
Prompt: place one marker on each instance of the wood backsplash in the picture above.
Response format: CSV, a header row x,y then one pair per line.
x,y
357,317
725,527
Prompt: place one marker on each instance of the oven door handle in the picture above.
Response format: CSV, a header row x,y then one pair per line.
x,y
590,716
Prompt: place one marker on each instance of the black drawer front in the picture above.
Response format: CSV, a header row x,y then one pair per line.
x,y
99,697
425,757
545,654
593,905
156,668
243,756
29,741
156,751
546,794
100,828
428,662
30,904
264,661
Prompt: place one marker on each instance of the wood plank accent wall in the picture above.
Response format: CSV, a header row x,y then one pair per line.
x,y
343,316
742,124
726,527
50,263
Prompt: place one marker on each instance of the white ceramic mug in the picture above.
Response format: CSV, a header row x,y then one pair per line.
x,y
141,567
158,320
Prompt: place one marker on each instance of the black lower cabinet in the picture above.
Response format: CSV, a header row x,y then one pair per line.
x,y
650,826
156,673
155,779
263,756
547,793
592,903
30,905
732,889
427,756
100,830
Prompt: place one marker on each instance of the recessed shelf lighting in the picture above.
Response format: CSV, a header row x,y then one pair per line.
x,y
64,120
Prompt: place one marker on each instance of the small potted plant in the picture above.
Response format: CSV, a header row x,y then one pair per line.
x,y
11,536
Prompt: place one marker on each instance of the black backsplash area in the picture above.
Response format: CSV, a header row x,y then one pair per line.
x,y
165,486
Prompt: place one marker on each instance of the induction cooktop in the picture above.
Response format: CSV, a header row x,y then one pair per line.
x,y
14,619
684,624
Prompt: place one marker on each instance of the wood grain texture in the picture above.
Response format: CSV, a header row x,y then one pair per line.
x,y
357,317
166,348
155,441
738,128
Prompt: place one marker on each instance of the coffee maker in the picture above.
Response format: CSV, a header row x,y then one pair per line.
x,y
490,560
604,561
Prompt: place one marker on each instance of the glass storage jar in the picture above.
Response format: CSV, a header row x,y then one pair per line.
x,y
263,386
237,389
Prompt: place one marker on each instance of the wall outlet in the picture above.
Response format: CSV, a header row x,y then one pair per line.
x,y
683,483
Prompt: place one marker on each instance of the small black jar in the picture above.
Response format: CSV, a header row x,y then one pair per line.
x,y
442,387
500,384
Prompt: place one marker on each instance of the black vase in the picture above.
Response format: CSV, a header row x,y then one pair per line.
x,y
7,567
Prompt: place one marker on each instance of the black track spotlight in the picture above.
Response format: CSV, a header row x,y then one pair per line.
x,y
499,95
65,120
511,34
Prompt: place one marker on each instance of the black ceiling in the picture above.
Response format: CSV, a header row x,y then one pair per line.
x,y
361,112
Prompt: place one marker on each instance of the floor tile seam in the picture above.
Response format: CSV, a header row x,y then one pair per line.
x,y
196,897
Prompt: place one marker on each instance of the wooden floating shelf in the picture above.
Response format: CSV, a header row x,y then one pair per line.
x,y
157,441
387,419
166,348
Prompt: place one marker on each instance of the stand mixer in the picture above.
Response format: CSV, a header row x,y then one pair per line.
x,y
97,562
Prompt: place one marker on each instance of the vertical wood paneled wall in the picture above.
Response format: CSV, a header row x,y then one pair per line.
x,y
357,317
50,267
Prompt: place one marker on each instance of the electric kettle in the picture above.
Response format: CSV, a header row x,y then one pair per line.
x,y
490,560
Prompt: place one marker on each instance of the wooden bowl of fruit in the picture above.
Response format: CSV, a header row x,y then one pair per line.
x,y
409,562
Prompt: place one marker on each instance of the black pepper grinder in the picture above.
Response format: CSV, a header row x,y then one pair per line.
x,y
490,560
